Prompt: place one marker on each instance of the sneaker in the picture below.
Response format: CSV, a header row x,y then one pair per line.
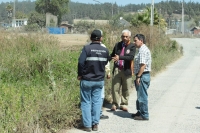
x,y
114,108
137,114
140,118
87,129
104,117
94,127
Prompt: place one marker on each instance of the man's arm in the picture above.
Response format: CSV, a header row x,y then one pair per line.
x,y
81,63
107,69
142,67
113,52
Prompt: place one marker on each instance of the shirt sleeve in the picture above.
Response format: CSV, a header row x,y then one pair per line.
x,y
107,68
81,61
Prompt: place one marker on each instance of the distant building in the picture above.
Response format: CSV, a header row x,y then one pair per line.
x,y
19,22
140,10
170,31
51,20
195,30
68,27
100,22
123,22
4,24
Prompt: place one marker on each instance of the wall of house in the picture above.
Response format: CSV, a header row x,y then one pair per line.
x,y
100,22
51,20
197,31
19,22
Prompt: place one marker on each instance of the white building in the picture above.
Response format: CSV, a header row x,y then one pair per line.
x,y
19,22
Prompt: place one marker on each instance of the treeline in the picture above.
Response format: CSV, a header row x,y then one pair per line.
x,y
23,8
104,10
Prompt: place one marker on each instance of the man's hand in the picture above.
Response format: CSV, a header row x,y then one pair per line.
x,y
108,76
133,74
115,58
79,77
138,81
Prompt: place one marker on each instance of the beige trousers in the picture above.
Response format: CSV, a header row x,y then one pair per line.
x,y
121,84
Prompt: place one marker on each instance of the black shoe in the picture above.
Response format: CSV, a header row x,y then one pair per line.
x,y
104,117
94,127
140,118
87,129
137,114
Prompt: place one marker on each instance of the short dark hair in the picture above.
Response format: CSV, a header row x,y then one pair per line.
x,y
140,37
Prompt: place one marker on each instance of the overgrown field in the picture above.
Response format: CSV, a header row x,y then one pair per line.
x,y
39,90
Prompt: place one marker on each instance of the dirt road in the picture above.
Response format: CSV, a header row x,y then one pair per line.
x,y
174,99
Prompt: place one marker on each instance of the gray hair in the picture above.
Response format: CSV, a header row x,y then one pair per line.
x,y
126,31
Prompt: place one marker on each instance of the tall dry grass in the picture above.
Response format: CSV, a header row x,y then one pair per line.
x,y
38,86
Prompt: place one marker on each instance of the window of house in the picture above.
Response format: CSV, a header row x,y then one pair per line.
x,y
17,23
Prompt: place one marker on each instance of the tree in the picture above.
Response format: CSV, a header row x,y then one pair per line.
x,y
37,20
197,20
55,7
9,10
169,13
144,18
20,15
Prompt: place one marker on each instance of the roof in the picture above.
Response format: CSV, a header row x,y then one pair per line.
x,y
195,28
124,22
67,25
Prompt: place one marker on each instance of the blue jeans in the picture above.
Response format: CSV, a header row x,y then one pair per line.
x,y
91,101
142,95
101,112
102,99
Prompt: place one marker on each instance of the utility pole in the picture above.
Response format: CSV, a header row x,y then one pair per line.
x,y
112,10
182,24
159,20
152,19
13,13
152,12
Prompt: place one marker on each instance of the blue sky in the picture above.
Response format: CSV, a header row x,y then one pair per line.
x,y
119,2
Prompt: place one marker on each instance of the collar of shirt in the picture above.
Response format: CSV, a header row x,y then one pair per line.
x,y
125,44
143,45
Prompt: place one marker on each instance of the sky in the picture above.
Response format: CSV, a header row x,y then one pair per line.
x,y
119,2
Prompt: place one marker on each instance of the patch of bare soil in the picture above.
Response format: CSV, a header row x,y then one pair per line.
x,y
67,40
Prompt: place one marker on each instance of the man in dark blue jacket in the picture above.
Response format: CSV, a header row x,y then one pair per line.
x,y
91,73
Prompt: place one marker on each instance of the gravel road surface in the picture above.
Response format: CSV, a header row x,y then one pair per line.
x,y
174,99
